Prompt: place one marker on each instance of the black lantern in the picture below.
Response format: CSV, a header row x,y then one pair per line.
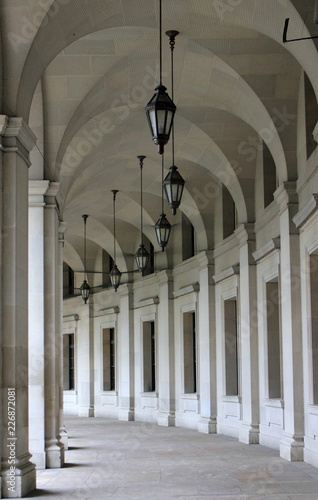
x,y
142,256
173,183
115,274
173,186
163,228
160,109
160,112
85,288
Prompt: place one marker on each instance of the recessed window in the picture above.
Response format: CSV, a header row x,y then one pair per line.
x,y
188,238
68,281
229,213
273,340
189,351
68,362
311,116
269,176
149,356
231,345
109,359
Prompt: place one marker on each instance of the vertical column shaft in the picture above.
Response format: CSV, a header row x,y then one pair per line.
x,y
292,444
37,190
207,347
166,379
53,446
249,430
126,355
18,473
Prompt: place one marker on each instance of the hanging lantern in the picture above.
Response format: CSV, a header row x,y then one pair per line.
x,y
142,256
160,112
173,185
115,276
85,289
163,228
160,109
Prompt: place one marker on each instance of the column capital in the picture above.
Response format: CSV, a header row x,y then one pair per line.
x,y
51,200
37,191
17,136
286,194
165,277
125,289
62,231
287,199
53,189
245,233
205,259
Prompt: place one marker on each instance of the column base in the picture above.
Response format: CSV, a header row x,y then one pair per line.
x,y
127,415
39,459
18,480
86,411
64,437
166,419
207,425
249,434
292,448
54,456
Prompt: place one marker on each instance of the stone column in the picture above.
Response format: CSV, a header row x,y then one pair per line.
x,y
165,340
126,354
53,447
37,190
62,429
249,430
292,444
85,351
18,473
207,345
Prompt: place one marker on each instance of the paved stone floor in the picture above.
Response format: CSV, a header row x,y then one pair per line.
x,y
131,460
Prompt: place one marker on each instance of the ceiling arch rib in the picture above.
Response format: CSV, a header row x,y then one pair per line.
x,y
209,155
58,31
221,86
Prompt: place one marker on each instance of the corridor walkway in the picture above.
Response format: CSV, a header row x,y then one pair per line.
x,y
131,460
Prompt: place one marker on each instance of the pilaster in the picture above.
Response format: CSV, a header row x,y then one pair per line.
x,y
166,380
18,473
85,346
249,430
292,444
207,344
126,354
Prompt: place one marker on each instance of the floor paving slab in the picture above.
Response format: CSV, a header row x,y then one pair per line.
x,y
109,459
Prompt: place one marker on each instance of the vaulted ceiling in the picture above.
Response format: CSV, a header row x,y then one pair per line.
x,y
81,72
